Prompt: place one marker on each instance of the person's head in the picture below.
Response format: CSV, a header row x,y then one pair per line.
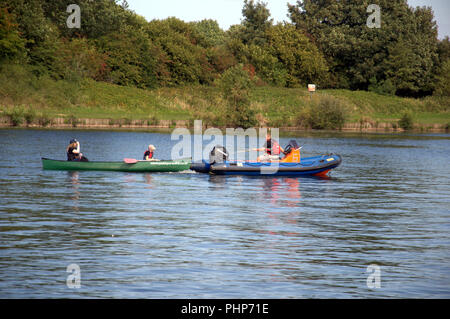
x,y
73,143
268,137
151,148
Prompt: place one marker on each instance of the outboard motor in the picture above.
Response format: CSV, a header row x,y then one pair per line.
x,y
218,154
291,146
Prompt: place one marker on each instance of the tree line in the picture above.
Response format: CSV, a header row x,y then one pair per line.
x,y
326,42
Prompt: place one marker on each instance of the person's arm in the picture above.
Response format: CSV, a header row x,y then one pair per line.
x,y
261,149
77,150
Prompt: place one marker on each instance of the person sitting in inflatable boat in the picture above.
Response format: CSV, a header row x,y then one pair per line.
x,y
272,148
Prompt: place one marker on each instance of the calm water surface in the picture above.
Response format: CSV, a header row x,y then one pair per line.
x,y
189,235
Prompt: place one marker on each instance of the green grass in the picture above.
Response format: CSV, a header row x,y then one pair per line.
x,y
38,100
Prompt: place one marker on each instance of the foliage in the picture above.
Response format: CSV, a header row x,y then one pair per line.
x,y
16,116
403,50
210,33
443,80
326,113
256,22
297,54
235,84
131,59
12,45
328,43
186,62
406,122
77,59
382,87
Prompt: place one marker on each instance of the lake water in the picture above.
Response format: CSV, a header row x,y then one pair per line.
x,y
190,235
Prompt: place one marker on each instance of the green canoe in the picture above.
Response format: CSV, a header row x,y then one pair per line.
x,y
139,166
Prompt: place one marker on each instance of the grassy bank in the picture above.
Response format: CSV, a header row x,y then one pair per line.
x,y
26,99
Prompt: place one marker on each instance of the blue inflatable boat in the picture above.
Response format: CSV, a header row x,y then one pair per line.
x,y
290,165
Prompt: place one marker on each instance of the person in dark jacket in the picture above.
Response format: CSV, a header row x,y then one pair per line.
x,y
73,152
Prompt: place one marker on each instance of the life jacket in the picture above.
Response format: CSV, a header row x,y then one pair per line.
x,y
274,148
149,154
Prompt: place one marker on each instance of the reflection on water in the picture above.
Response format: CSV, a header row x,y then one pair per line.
x,y
187,235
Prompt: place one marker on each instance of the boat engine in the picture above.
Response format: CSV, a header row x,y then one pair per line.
x,y
291,146
218,154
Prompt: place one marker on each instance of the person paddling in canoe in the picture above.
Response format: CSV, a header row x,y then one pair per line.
x,y
272,149
74,153
148,155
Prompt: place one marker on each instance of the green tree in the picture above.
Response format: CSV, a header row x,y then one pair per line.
x,y
98,18
256,22
77,59
186,61
236,84
210,32
443,80
444,50
133,59
12,45
299,56
356,53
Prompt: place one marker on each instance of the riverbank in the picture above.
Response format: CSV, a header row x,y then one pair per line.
x,y
86,123
90,104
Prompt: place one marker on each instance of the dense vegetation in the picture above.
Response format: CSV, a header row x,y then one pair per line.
x,y
44,63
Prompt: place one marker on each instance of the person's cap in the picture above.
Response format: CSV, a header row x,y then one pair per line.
x,y
152,147
73,141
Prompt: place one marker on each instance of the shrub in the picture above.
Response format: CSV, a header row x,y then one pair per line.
x,y
329,113
236,85
406,122
30,116
72,119
153,120
16,116
44,120
382,87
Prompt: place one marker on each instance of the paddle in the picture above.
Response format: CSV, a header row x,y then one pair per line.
x,y
134,161
130,160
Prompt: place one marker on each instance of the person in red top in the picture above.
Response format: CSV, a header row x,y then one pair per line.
x,y
148,155
272,149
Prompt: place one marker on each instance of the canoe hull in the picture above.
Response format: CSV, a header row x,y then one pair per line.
x,y
312,166
140,166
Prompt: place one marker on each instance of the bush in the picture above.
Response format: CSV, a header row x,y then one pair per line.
x,y
328,113
236,84
72,119
30,116
127,121
44,120
153,120
382,87
16,116
406,122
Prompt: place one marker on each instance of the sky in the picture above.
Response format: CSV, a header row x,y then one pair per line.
x,y
229,12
